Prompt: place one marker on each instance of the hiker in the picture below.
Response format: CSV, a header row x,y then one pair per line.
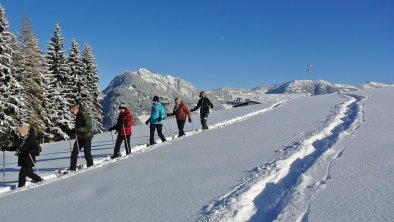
x,y
123,128
27,148
155,120
181,112
204,103
83,136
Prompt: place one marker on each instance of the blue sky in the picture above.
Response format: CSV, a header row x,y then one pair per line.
x,y
224,43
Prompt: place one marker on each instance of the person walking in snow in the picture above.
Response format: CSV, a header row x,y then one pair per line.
x,y
204,103
156,116
83,136
181,112
123,128
27,148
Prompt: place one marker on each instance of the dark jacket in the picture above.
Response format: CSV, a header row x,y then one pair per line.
x,y
125,119
83,125
27,149
181,112
203,104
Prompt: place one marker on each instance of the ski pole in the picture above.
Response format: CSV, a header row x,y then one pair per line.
x,y
70,143
3,166
76,140
169,125
112,135
128,150
34,164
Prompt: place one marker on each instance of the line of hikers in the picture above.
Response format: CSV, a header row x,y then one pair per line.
x,y
27,147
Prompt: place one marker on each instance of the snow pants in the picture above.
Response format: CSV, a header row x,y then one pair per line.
x,y
27,171
181,125
204,119
159,128
86,144
119,141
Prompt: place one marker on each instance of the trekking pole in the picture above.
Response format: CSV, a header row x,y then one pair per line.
x,y
76,140
169,125
70,143
128,149
165,127
34,164
3,166
112,135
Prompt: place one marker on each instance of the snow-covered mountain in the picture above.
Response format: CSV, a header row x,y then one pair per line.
x,y
317,87
370,85
314,87
136,89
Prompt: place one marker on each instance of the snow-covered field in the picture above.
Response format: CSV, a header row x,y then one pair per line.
x,y
320,158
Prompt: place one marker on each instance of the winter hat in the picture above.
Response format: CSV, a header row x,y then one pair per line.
x,y
122,106
156,99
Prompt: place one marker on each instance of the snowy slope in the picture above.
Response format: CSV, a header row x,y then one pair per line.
x,y
290,160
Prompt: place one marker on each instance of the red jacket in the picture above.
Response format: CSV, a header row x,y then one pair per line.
x,y
125,121
181,112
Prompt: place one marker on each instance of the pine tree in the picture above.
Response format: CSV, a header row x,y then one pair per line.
x,y
10,89
77,79
94,95
32,71
56,98
16,70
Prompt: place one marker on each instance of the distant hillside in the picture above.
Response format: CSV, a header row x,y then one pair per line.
x,y
136,89
315,87
318,87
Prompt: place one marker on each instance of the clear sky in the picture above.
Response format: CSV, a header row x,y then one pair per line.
x,y
224,43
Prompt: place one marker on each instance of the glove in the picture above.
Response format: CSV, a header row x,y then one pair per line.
x,y
168,114
71,131
211,105
190,120
18,152
147,122
111,128
159,119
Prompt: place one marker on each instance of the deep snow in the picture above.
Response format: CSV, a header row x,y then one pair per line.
x,y
323,158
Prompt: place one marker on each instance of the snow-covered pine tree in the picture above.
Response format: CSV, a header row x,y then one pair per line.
x,y
10,89
16,70
77,79
94,95
32,71
56,103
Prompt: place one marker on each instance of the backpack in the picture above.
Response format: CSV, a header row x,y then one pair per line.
x,y
37,150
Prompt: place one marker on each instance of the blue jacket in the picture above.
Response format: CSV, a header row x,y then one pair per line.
x,y
157,112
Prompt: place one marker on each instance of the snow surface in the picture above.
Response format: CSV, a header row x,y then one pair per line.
x,y
321,158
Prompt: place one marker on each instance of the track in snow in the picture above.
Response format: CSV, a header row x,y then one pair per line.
x,y
100,162
278,190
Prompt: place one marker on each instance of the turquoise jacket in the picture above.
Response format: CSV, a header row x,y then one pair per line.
x,y
157,113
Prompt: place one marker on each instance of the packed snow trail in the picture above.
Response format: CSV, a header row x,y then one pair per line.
x,y
360,185
171,183
268,189
59,174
